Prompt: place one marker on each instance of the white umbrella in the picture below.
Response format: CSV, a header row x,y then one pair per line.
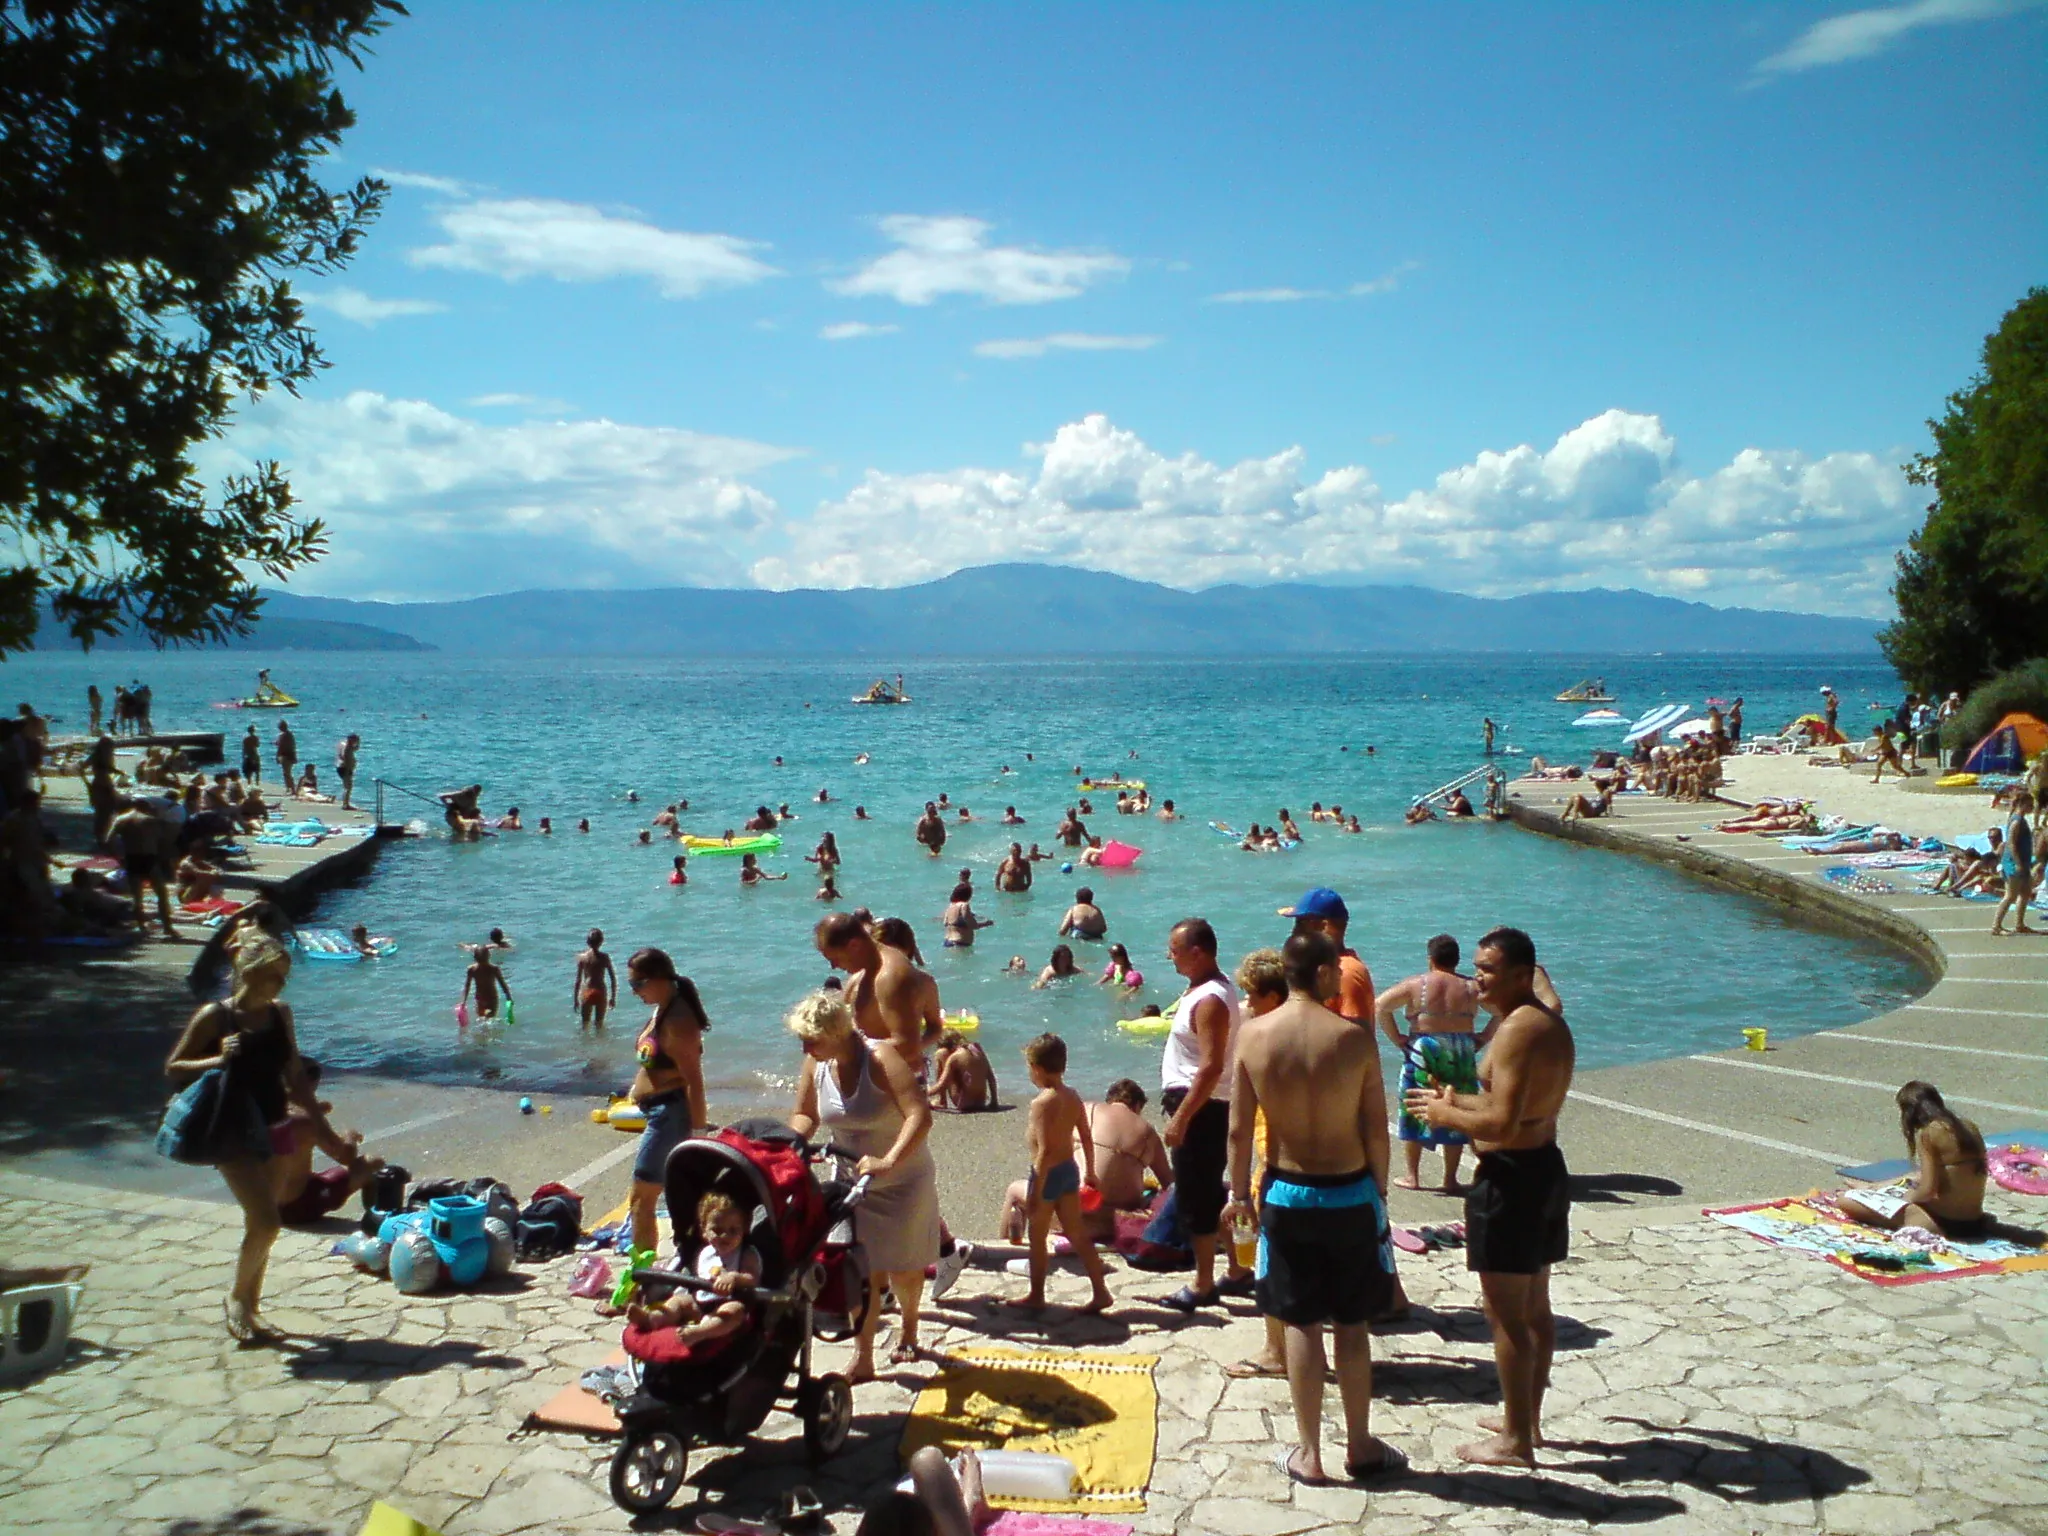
x,y
1699,727
1601,717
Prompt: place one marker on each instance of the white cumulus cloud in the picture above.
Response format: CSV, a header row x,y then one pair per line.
x,y
936,256
854,330
1387,282
1607,504
354,304
1063,341
1868,33
425,503
516,238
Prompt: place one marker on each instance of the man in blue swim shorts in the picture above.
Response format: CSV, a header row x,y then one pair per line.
x,y
1517,1212
1325,1253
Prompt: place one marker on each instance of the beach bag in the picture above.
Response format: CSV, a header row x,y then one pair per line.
x,y
548,1228
209,1122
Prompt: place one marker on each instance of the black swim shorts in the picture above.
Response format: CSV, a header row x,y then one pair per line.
x,y
1199,1164
1518,1211
1326,1253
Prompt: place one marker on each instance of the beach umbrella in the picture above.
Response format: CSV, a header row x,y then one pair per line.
x,y
1662,718
1699,727
1601,717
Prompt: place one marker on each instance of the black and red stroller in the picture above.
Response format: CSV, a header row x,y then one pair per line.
x,y
719,1393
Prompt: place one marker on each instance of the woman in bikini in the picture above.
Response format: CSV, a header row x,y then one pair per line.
x,y
669,1085
1949,1170
249,1039
1439,1048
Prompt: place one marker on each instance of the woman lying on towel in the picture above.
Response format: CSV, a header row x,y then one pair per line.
x,y
1771,816
1877,842
1579,808
1949,1169
1538,769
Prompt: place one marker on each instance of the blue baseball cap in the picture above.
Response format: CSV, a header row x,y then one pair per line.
x,y
1320,902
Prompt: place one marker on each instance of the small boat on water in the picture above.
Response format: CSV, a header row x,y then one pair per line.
x,y
267,696
1590,690
1599,717
880,692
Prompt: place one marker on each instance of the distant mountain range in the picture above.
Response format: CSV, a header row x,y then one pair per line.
x,y
274,632
1038,610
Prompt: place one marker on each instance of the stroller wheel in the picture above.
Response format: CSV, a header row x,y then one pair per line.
x,y
648,1470
827,1408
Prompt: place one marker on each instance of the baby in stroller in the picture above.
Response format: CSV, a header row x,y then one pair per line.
x,y
727,1262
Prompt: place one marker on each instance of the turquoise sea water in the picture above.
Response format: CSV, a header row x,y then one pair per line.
x,y
1651,964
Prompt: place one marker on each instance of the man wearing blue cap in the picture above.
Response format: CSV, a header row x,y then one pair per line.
x,y
1323,911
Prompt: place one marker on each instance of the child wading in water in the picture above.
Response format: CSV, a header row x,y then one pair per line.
x,y
1059,1118
487,979
725,1261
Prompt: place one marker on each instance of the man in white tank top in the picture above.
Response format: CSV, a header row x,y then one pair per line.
x,y
1196,1074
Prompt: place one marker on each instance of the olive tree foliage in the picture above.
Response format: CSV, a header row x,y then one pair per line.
x,y
157,193
1972,585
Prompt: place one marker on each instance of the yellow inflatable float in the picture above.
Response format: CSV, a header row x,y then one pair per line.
x,y
621,1115
966,1023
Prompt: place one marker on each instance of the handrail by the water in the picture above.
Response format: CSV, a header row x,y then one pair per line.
x,y
1489,771
387,783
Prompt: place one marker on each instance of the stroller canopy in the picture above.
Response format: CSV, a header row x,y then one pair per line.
x,y
771,1184
2012,742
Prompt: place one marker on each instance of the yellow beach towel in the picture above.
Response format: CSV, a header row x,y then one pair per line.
x,y
1101,1412
386,1521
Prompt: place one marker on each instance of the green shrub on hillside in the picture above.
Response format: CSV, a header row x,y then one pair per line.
x,y
2022,690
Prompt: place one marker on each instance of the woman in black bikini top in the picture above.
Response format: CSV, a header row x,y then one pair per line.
x,y
249,1038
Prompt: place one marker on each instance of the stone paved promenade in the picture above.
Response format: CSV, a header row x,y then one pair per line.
x,y
1704,1384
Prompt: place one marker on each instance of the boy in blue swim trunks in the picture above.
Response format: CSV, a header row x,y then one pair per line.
x,y
1058,1119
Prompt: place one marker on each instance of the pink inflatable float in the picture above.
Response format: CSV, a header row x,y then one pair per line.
x,y
1117,855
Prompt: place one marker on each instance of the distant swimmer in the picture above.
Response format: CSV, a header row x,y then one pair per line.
x,y
825,856
784,813
763,820
1014,873
751,872
1084,919
931,830
583,824
1037,854
596,987
861,758
1487,729
960,920
778,759
1059,968
633,796
665,818
828,889
1418,813
510,822
1287,827
1011,818
646,839
860,813
1458,805
680,875
498,940
1071,831
547,826
486,980
823,796
1167,812
1351,824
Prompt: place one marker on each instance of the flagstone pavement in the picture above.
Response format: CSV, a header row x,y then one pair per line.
x,y
1704,1383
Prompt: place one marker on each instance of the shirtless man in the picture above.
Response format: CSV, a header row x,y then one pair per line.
x,y
1070,830
484,975
596,988
287,754
1084,919
146,845
1326,1251
1011,818
1518,1210
891,999
1014,873
1438,1046
931,830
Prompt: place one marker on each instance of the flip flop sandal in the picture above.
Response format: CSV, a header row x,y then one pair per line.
x,y
800,1508
1390,1462
1188,1299
1452,1234
1409,1241
1285,1462
1247,1370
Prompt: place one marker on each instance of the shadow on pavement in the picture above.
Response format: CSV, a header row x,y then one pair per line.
x,y
1742,1469
323,1357
1615,1188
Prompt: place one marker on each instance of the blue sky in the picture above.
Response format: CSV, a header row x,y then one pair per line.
x,y
1488,298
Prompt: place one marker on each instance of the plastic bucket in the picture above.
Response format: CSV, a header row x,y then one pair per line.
x,y
457,1219
1757,1039
35,1327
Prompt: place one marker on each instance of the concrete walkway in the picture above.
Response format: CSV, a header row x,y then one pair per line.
x,y
1738,1124
1704,1383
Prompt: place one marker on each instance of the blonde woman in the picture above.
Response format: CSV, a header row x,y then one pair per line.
x,y
865,1097
249,1039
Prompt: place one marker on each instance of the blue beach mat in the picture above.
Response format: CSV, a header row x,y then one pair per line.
x,y
1899,1167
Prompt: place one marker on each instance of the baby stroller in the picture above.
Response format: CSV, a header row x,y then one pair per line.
x,y
718,1394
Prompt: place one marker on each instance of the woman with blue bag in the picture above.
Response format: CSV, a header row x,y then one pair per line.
x,y
237,1065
